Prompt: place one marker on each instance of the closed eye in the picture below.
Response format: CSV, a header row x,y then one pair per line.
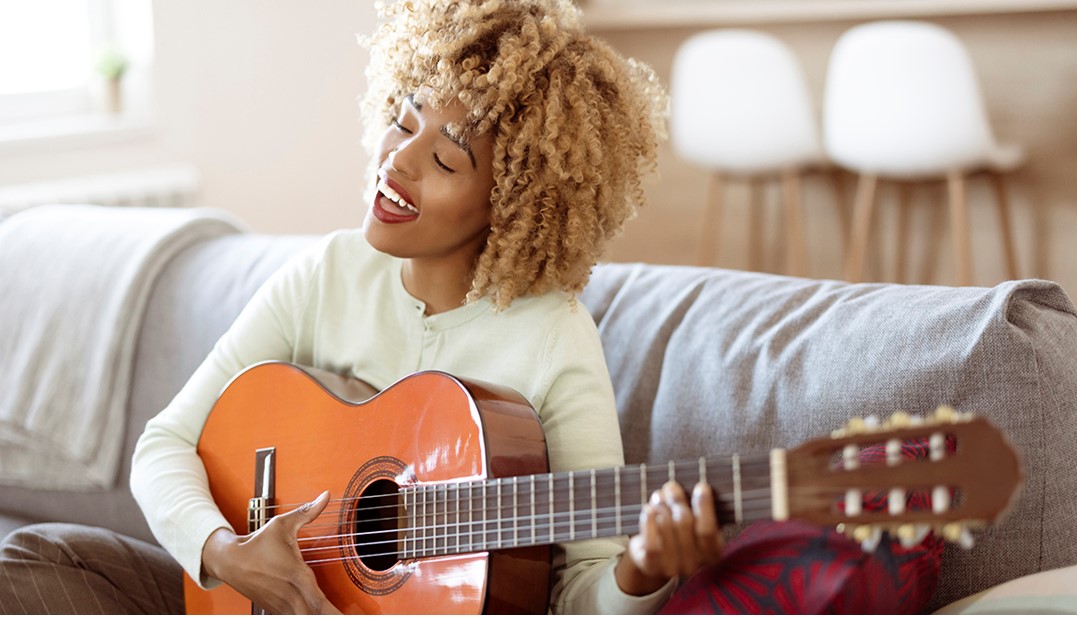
x,y
401,127
442,165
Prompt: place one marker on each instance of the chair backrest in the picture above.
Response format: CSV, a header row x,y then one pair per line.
x,y
740,103
902,99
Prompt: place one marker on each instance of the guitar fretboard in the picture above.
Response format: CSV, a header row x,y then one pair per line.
x,y
483,515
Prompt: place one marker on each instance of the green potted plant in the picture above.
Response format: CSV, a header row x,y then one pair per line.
x,y
111,65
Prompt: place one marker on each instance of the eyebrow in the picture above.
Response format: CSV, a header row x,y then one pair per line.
x,y
459,142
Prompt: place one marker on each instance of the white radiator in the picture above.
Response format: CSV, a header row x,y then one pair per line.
x,y
160,187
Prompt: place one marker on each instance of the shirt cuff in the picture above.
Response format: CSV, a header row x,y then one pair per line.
x,y
611,600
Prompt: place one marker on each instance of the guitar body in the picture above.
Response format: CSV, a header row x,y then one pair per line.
x,y
428,428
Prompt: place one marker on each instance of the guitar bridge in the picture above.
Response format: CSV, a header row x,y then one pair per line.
x,y
264,483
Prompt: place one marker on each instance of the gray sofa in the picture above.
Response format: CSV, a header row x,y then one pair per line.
x,y
713,362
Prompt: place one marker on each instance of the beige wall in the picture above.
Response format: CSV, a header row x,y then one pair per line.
x,y
1028,69
260,96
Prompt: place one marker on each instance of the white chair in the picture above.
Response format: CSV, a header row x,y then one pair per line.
x,y
741,107
902,103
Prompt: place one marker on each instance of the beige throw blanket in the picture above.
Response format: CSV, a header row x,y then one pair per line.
x,y
74,282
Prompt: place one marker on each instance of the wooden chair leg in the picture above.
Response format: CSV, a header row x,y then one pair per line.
x,y
796,251
959,227
712,216
837,188
936,237
861,228
1003,203
901,253
756,187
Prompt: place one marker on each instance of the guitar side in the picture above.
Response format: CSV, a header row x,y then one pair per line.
x,y
429,428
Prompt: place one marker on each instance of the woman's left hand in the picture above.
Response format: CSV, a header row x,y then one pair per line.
x,y
675,539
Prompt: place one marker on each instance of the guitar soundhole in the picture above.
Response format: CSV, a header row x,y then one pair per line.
x,y
377,526
370,522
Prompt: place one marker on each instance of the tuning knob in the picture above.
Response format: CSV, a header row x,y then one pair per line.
x,y
867,536
900,419
911,535
956,532
856,426
945,413
872,543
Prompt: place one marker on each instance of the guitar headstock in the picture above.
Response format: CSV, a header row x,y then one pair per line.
x,y
908,475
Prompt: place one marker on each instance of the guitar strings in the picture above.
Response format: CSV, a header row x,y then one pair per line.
x,y
501,526
446,549
659,470
752,506
475,505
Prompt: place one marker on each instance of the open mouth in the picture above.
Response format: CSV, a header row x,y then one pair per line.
x,y
401,206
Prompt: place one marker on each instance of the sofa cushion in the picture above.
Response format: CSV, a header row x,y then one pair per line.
x,y
712,362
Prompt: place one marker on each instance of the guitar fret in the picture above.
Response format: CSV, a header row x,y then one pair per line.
x,y
485,519
434,519
470,516
617,499
571,506
426,536
643,483
594,507
551,509
515,512
457,518
498,514
534,521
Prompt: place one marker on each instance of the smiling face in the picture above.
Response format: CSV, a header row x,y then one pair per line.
x,y
432,203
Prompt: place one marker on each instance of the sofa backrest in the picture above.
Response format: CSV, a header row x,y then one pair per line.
x,y
713,362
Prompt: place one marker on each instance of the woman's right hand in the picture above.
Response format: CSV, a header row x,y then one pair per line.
x,y
267,565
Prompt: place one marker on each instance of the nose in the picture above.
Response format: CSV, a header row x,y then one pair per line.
x,y
402,158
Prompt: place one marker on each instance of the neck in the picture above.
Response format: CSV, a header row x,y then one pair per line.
x,y
445,519
440,286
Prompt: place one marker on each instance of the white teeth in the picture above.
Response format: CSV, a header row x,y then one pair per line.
x,y
395,197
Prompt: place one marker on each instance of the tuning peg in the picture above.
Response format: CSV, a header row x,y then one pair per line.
x,y
900,419
956,532
911,535
872,543
868,536
945,413
855,426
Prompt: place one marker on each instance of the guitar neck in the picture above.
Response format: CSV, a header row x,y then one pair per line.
x,y
484,515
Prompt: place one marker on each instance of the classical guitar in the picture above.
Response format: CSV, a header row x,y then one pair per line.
x,y
443,500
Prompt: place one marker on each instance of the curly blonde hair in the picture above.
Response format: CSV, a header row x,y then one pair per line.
x,y
575,126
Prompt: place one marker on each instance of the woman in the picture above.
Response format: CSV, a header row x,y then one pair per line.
x,y
511,150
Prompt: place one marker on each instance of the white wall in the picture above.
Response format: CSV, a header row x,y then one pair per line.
x,y
260,97
1027,64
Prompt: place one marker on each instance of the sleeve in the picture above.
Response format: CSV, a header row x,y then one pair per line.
x,y
168,479
579,418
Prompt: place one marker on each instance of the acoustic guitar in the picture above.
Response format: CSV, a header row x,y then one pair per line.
x,y
443,501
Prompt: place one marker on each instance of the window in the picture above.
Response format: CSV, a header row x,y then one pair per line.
x,y
54,54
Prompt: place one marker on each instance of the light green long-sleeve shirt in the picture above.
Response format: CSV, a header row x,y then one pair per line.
x,y
341,306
